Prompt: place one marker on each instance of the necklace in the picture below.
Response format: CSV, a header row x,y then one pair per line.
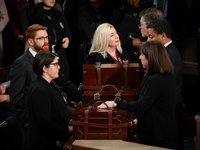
x,y
48,16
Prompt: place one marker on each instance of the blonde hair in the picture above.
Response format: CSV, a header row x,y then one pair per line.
x,y
101,38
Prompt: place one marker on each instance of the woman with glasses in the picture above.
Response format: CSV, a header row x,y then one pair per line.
x,y
106,47
47,110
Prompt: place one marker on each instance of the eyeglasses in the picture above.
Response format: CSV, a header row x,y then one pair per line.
x,y
139,25
43,38
55,64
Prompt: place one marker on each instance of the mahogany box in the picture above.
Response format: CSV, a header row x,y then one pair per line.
x,y
93,123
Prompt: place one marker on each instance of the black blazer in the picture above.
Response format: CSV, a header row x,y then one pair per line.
x,y
178,73
48,116
97,57
156,109
22,75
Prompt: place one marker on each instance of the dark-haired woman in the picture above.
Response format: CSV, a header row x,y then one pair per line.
x,y
47,110
156,105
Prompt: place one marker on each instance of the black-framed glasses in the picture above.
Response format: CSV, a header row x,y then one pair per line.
x,y
43,38
55,64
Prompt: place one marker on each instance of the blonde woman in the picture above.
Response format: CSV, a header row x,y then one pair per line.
x,y
106,47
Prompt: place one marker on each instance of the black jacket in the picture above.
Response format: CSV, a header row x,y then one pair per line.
x,y
48,116
97,57
178,67
156,109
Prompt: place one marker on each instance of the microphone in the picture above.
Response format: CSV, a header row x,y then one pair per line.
x,y
8,120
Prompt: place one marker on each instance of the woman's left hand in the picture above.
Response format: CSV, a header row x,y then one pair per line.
x,y
65,42
109,103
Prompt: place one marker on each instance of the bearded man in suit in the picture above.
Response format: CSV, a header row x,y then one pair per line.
x,y
22,75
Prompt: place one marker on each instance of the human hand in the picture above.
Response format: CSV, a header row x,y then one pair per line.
x,y
65,42
109,103
136,42
70,129
5,98
37,1
3,88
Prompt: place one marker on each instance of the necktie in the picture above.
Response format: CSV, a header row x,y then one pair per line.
x,y
160,5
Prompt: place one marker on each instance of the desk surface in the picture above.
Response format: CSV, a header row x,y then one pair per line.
x,y
112,145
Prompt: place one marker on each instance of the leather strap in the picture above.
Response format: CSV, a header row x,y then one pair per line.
x,y
98,125
109,126
125,73
110,123
117,95
98,66
86,123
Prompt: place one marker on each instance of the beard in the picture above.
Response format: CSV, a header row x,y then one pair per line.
x,y
43,47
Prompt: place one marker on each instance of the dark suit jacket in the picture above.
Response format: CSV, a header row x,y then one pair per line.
x,y
22,75
178,73
156,109
97,57
48,116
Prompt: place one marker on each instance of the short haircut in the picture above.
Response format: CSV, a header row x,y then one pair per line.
x,y
101,38
158,59
43,58
160,26
150,14
31,30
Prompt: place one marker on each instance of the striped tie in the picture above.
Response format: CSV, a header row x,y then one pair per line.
x,y
160,5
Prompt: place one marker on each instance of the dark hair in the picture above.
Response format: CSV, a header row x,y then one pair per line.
x,y
42,58
31,30
158,59
159,26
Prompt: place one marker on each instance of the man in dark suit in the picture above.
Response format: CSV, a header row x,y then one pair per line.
x,y
177,15
22,74
160,30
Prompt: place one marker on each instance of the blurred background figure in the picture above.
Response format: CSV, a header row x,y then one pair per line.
x,y
89,17
130,43
11,134
14,42
3,22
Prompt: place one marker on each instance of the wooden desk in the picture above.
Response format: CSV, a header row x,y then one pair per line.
x,y
107,145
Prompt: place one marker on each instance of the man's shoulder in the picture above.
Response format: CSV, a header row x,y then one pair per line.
x,y
22,62
173,51
24,56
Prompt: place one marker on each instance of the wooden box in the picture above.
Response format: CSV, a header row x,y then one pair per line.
x,y
93,123
110,81
123,76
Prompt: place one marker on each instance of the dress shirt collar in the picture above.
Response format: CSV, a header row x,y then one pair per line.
x,y
168,43
32,52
